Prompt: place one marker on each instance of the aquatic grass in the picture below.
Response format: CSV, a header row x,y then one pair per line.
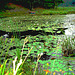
x,y
2,68
39,56
68,46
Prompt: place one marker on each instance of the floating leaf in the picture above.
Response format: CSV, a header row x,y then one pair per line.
x,y
55,29
58,31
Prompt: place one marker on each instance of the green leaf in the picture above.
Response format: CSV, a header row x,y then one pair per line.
x,y
58,31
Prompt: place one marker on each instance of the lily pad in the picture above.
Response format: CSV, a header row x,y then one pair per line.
x,y
58,31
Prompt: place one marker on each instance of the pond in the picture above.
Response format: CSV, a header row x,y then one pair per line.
x,y
44,33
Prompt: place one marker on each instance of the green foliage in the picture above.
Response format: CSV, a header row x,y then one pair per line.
x,y
2,68
51,3
38,3
68,45
3,4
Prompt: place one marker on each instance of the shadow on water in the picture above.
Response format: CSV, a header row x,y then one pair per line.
x,y
32,33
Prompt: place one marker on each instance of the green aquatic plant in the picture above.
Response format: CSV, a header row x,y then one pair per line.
x,y
68,46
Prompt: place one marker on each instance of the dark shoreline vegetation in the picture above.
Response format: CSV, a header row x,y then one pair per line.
x,y
38,11
40,37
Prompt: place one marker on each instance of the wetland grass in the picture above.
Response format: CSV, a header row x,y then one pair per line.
x,y
68,46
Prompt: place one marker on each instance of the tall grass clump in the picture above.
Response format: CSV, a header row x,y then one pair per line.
x,y
68,46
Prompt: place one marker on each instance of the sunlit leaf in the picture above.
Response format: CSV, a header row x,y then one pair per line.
x,y
58,31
